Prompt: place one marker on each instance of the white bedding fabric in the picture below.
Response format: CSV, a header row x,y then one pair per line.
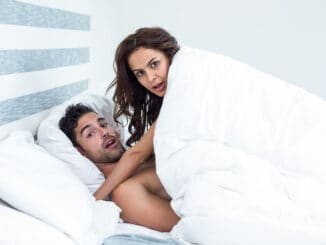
x,y
241,153
36,183
18,228
127,228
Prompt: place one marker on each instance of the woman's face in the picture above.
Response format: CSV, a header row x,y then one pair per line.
x,y
150,67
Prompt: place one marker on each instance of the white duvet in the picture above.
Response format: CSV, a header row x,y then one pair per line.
x,y
241,153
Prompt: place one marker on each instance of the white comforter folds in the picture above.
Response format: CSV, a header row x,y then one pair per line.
x,y
241,153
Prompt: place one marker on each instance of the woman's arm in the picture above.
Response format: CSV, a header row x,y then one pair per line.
x,y
128,163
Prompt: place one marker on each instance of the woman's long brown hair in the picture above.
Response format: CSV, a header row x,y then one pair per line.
x,y
130,97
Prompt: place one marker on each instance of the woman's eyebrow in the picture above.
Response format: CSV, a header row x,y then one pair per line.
x,y
148,63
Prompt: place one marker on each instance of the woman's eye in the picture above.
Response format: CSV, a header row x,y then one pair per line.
x,y
139,73
154,64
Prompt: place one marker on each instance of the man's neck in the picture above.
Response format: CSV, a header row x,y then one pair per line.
x,y
106,168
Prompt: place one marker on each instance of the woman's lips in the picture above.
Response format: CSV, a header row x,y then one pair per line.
x,y
160,87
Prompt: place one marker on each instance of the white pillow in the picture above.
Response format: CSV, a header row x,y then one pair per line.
x,y
59,145
33,181
19,228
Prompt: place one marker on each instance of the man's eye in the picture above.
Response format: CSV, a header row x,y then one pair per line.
x,y
90,134
104,125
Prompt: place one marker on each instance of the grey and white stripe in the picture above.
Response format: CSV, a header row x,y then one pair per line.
x,y
19,13
33,63
23,106
17,61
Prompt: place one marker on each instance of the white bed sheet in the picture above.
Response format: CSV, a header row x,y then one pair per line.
x,y
19,228
127,228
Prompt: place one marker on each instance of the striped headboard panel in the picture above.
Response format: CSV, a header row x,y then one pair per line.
x,y
44,58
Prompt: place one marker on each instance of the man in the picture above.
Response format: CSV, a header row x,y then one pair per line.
x,y
142,198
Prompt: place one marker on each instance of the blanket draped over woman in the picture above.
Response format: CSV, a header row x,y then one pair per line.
x,y
241,153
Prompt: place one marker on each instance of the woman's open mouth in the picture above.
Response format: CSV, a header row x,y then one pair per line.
x,y
159,87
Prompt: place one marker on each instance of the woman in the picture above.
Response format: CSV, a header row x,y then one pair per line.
x,y
142,62
238,125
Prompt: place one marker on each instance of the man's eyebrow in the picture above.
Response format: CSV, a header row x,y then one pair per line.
x,y
149,62
84,128
101,119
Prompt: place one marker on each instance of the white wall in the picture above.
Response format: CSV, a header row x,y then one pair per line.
x,y
103,29
285,38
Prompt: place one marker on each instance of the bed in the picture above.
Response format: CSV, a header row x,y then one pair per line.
x,y
258,192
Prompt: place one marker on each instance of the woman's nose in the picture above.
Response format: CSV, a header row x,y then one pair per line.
x,y
151,76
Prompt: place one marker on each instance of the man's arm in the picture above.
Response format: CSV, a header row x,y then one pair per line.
x,y
128,163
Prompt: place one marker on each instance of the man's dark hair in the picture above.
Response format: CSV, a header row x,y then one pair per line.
x,y
70,120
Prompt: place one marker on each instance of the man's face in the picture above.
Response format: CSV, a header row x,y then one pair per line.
x,y
97,140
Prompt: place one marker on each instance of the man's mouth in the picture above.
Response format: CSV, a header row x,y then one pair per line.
x,y
110,143
159,87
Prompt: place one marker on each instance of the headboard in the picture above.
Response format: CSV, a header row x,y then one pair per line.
x,y
44,58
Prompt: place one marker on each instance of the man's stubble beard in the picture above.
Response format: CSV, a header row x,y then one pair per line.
x,y
109,159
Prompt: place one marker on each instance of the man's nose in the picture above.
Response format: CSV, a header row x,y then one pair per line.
x,y
103,133
106,132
